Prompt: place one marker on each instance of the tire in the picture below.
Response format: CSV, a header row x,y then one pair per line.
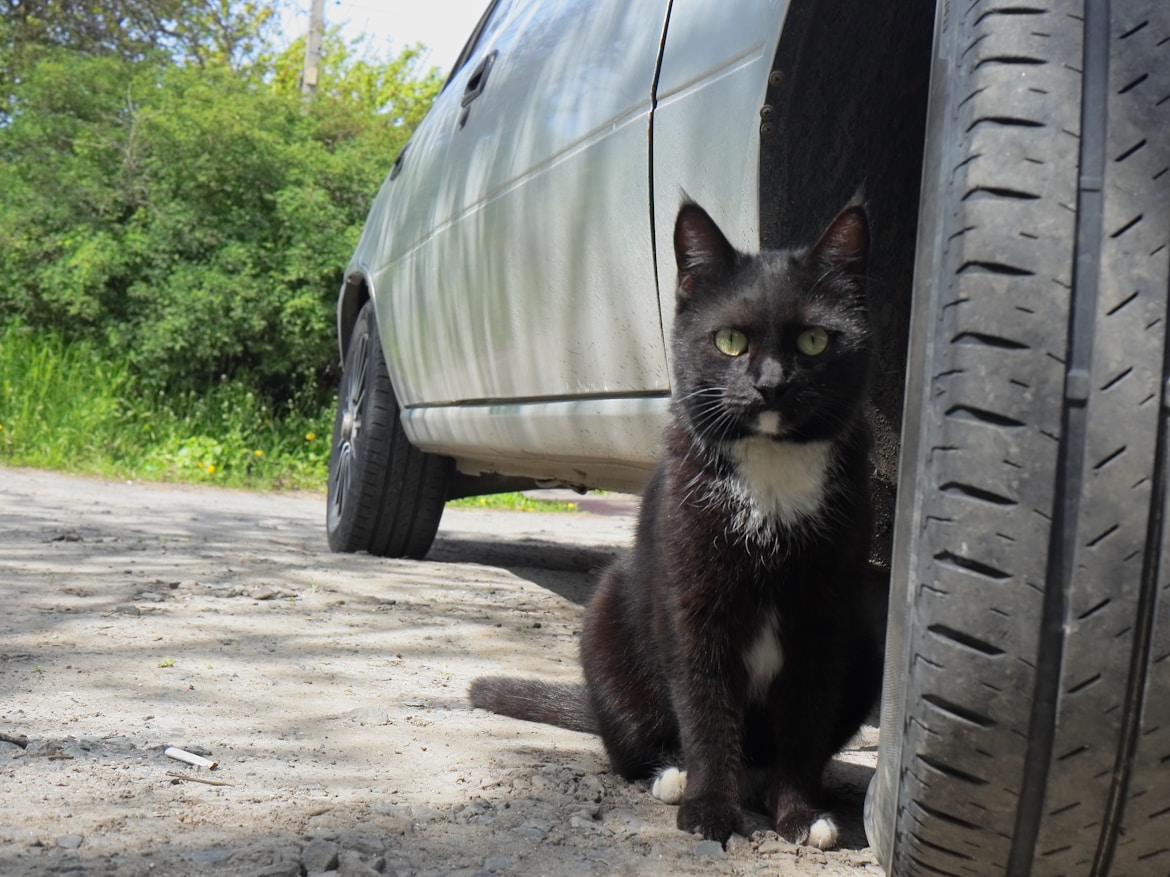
x,y
1026,707
385,496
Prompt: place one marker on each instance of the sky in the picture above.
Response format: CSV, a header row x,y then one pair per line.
x,y
443,26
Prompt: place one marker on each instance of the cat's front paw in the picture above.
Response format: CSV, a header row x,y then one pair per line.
x,y
713,818
670,785
805,827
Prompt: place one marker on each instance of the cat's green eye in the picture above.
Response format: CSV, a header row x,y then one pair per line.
x,y
812,342
731,342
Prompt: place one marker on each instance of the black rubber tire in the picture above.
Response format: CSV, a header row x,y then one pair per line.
x,y
385,496
1026,708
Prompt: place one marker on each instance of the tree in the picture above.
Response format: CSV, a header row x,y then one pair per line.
x,y
195,217
130,29
201,32
393,88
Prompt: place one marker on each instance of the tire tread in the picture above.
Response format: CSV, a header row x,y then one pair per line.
x,y
1041,493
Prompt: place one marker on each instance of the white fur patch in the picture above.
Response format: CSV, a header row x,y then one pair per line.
x,y
785,481
822,834
669,785
764,658
768,423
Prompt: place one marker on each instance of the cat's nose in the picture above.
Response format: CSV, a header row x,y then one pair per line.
x,y
770,382
772,396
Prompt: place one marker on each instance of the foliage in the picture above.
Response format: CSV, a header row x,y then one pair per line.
x,y
230,32
174,222
513,502
192,219
66,406
392,89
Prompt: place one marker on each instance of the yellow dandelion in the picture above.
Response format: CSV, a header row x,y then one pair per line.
x,y
258,453
309,436
211,469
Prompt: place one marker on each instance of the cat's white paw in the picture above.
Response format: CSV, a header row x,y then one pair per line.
x,y
822,834
669,785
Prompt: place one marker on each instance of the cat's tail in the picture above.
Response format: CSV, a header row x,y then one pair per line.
x,y
566,706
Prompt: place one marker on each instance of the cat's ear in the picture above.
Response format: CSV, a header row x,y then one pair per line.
x,y
844,245
701,251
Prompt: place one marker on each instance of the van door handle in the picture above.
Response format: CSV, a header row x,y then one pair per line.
x,y
475,85
396,168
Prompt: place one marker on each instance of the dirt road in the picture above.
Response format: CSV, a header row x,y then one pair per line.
x,y
330,689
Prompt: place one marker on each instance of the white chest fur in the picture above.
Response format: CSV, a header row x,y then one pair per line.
x,y
763,657
784,481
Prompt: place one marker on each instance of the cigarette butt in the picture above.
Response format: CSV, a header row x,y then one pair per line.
x,y
190,758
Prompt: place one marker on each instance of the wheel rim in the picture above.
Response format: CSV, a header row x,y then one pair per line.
x,y
348,432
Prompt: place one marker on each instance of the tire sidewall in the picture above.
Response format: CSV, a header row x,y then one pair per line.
x,y
344,525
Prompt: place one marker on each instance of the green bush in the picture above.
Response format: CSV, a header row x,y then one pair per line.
x,y
68,406
194,220
174,220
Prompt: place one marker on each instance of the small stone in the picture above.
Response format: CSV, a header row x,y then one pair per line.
x,y
423,813
737,844
70,841
499,865
771,847
710,849
279,869
371,715
582,822
534,829
623,823
365,840
320,855
350,864
591,788
212,856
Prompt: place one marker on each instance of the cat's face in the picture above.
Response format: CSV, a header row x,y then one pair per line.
x,y
776,344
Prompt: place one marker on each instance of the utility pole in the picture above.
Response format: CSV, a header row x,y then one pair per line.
x,y
312,69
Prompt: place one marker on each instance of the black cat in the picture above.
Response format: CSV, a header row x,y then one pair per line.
x,y
734,642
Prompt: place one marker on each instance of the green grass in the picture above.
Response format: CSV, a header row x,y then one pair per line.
x,y
515,502
69,407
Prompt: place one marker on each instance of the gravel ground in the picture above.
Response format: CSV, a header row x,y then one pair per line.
x,y
331,691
